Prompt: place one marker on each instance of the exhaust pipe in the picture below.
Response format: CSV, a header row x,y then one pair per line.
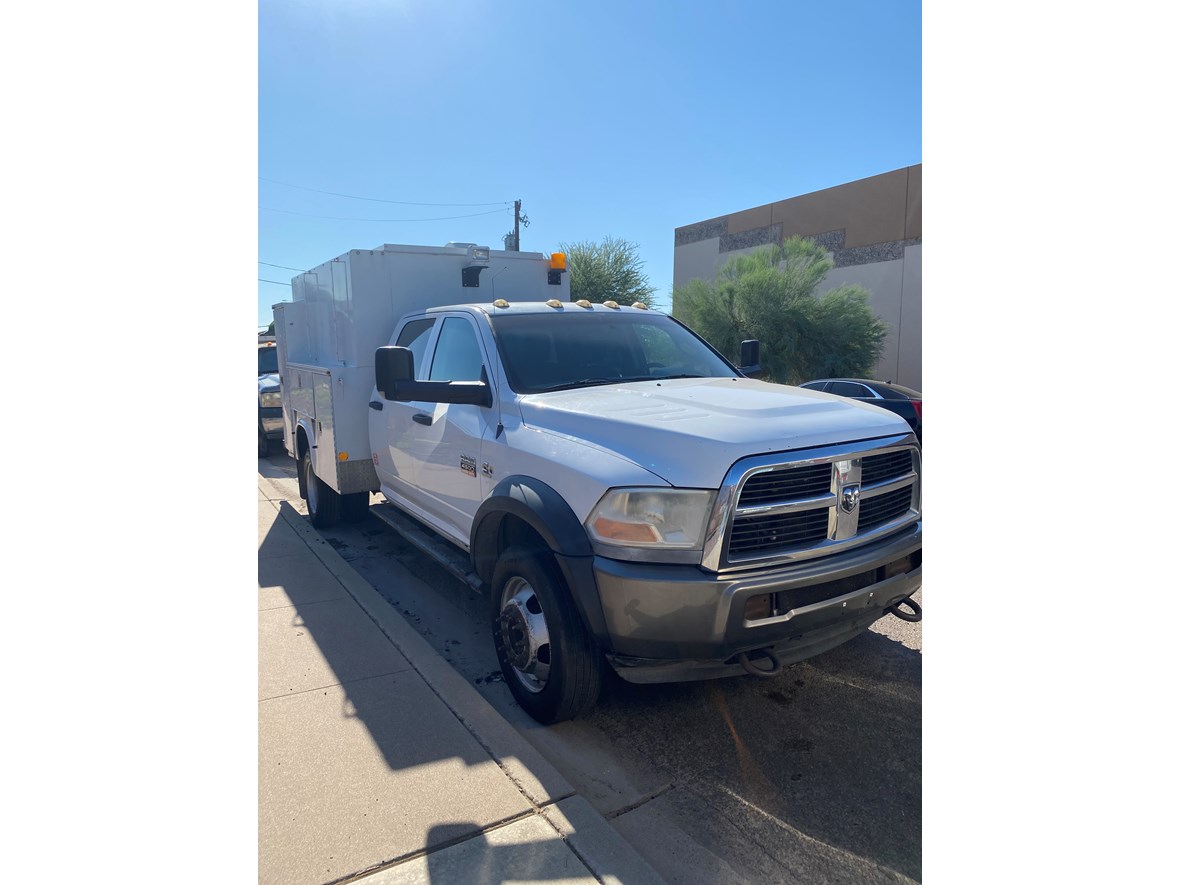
x,y
776,665
913,616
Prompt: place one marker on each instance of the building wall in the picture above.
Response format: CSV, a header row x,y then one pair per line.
x,y
872,229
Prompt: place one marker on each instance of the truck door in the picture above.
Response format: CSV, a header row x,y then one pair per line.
x,y
391,427
446,439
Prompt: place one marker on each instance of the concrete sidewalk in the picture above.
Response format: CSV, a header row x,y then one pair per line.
x,y
377,759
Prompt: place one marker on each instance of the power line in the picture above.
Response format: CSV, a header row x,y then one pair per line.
x,y
376,199
276,282
382,220
283,266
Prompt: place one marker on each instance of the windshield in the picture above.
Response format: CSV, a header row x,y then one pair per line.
x,y
566,349
268,360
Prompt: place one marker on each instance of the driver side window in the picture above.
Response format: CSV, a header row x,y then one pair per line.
x,y
457,356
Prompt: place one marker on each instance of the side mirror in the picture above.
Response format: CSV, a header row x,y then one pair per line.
x,y
394,369
750,367
391,365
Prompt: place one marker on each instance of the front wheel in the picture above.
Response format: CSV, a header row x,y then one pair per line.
x,y
263,442
549,659
323,504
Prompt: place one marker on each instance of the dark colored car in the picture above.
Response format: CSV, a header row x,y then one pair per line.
x,y
901,400
270,405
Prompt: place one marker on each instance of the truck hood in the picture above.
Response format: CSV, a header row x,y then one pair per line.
x,y
690,431
268,383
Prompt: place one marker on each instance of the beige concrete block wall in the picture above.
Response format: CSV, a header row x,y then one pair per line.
x,y
884,281
872,228
909,365
871,210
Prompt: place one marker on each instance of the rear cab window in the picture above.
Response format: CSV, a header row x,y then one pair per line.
x,y
415,335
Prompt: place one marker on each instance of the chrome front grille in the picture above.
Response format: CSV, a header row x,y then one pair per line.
x,y
773,508
779,531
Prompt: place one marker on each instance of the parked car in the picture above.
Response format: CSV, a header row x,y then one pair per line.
x,y
270,403
900,400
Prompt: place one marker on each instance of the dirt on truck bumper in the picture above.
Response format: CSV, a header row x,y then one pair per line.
x,y
670,623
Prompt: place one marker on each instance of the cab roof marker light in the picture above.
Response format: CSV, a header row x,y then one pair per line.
x,y
639,305
583,303
499,302
613,305
553,302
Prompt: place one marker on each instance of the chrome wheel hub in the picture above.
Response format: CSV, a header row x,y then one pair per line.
x,y
524,634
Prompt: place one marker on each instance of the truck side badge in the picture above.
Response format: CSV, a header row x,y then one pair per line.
x,y
467,465
488,470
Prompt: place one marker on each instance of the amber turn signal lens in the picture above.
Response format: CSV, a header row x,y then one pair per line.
x,y
625,531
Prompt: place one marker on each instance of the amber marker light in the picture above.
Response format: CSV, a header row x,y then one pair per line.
x,y
343,456
557,261
615,530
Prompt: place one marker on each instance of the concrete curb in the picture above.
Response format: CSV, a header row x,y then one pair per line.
x,y
602,848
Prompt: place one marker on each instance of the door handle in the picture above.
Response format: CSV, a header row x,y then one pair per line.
x,y
424,419
376,405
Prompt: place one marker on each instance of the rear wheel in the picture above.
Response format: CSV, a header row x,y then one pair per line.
x,y
323,504
549,660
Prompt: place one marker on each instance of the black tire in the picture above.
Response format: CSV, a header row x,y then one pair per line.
x,y
323,504
354,506
263,442
553,680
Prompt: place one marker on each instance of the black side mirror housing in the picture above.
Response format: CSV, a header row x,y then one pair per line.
x,y
394,370
392,365
750,367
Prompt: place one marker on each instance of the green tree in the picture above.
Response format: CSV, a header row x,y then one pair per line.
x,y
769,294
608,271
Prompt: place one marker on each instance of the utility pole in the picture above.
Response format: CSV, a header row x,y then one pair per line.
x,y
512,238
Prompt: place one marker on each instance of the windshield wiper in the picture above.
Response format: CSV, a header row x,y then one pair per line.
x,y
595,382
585,382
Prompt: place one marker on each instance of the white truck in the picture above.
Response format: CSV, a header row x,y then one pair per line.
x,y
622,494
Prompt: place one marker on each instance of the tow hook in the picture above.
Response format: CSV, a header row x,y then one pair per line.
x,y
776,665
913,616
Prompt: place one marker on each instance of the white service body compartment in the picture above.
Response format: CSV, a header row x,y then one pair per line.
x,y
346,308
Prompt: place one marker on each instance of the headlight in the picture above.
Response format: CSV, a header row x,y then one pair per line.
x,y
655,519
271,400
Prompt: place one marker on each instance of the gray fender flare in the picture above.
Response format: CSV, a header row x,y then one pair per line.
x,y
545,511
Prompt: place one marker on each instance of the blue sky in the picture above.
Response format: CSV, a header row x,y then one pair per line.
x,y
605,119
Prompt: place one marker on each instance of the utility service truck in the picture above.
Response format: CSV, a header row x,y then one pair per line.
x,y
622,494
